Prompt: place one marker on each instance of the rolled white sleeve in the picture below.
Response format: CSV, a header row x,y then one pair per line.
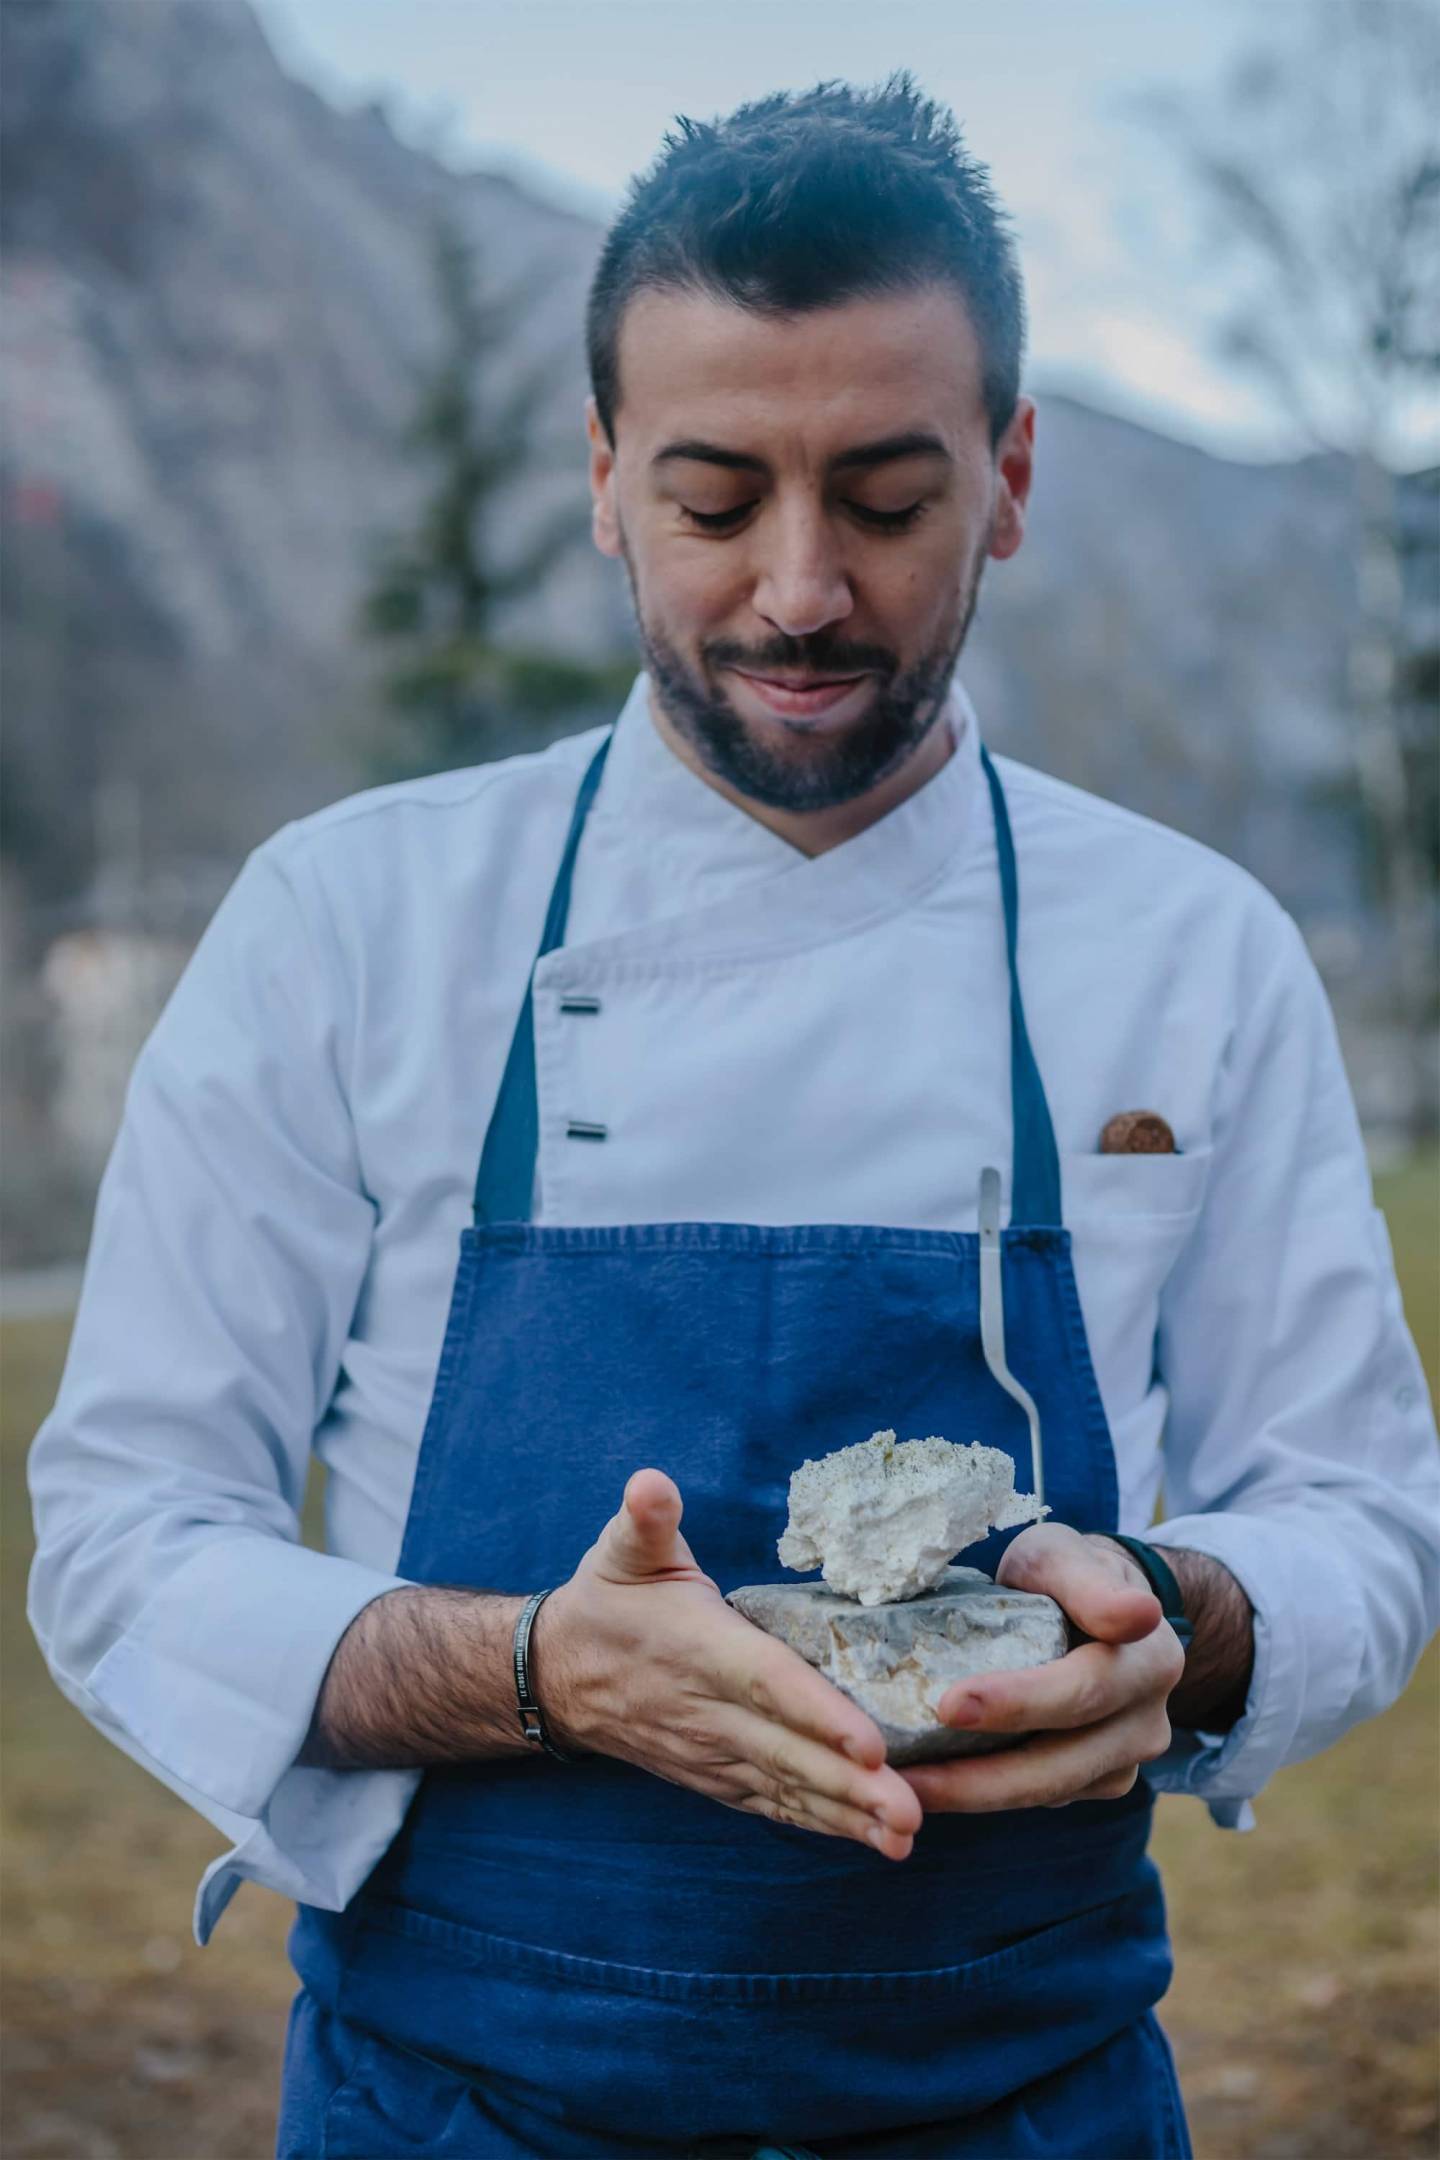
x,y
1300,1445
170,1594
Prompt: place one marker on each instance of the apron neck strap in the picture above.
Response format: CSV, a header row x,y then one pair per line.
x,y
505,1182
506,1178
1035,1162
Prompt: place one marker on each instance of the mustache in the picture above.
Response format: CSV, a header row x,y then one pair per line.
x,y
800,659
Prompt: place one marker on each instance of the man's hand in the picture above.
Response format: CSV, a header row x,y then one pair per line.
x,y
638,1656
1090,1718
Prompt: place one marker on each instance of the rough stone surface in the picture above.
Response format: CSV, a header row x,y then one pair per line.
x,y
883,1520
897,1660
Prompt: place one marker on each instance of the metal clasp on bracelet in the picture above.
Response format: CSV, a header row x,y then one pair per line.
x,y
532,1723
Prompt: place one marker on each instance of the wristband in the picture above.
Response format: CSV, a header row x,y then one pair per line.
x,y
1161,1578
532,1724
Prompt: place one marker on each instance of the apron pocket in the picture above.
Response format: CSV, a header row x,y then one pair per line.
x,y
395,2103
646,2053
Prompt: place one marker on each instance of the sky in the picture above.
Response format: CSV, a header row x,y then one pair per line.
x,y
570,97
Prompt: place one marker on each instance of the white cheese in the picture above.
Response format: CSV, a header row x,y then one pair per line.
x,y
884,1519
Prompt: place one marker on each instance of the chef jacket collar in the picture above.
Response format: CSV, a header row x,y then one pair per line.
x,y
759,895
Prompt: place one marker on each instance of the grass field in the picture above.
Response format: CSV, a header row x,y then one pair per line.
x,y
1304,2012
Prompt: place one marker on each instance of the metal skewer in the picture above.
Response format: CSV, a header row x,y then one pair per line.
x,y
992,1321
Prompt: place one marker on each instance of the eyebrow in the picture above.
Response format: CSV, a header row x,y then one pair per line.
x,y
916,442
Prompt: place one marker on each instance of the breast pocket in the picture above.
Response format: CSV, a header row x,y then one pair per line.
x,y
1130,1217
1128,1196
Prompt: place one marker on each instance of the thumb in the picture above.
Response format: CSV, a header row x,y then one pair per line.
x,y
1094,1583
644,1539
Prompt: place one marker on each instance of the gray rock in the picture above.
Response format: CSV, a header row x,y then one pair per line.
x,y
897,1660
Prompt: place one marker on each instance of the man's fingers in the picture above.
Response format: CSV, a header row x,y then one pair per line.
x,y
1048,1769
827,1818
1092,1683
796,1780
649,1514
762,1675
642,1539
1113,1787
1090,1580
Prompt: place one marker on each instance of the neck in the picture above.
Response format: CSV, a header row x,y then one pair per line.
x,y
813,832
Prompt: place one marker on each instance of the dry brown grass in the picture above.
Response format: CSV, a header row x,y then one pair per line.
x,y
1304,2013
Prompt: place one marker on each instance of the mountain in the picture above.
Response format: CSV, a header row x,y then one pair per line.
x,y
217,310
218,307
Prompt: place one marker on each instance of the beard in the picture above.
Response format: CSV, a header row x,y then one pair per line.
x,y
824,770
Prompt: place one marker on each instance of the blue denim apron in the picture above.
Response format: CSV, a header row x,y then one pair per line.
x,y
585,1959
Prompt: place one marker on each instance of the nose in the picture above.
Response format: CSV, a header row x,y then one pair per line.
x,y
802,583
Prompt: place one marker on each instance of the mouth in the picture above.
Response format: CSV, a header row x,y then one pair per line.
x,y
803,697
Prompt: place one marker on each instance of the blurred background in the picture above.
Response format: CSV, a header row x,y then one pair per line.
x,y
292,482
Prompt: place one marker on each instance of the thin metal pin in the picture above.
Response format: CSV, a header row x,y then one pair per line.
x,y
992,1321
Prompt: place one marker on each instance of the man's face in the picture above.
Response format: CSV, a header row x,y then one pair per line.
x,y
801,499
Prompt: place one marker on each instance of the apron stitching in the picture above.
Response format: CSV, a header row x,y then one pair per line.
x,y
1107,1478
452,1356
1177,2138
504,1955
586,1240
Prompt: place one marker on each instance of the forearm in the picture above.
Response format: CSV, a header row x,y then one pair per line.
x,y
1211,1693
424,1676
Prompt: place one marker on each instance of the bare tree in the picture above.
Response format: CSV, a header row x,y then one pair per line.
x,y
1316,163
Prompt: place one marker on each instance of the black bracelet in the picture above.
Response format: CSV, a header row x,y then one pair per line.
x,y
1161,1578
532,1724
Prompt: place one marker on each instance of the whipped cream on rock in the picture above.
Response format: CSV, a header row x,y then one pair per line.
x,y
884,1519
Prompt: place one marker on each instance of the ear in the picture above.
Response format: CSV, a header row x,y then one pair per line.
x,y
1014,465
605,515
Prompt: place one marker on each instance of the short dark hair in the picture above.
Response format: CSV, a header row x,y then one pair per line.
x,y
803,199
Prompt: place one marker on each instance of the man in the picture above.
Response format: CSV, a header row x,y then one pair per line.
x,y
733,1005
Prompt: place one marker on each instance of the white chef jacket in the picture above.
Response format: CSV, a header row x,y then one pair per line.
x,y
779,1039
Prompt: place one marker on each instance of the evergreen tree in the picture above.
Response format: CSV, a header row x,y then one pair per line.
x,y
458,693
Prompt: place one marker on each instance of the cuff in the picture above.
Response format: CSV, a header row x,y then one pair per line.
x,y
218,1676
1170,1772
1309,1628
323,1832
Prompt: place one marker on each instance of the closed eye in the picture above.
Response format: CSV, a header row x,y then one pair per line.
x,y
882,520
